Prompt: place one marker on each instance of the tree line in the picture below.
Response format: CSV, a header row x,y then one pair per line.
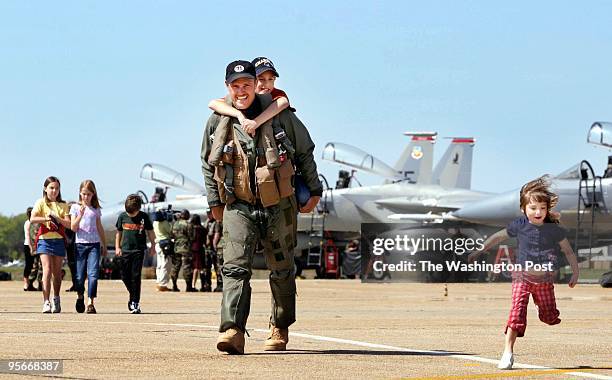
x,y
11,236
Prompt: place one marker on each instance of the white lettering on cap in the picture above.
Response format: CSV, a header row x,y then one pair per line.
x,y
239,68
262,61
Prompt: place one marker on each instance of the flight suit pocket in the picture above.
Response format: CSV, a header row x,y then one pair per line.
x,y
228,153
285,173
219,176
266,185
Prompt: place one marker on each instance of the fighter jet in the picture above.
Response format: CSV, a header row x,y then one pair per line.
x,y
412,192
448,207
584,199
194,200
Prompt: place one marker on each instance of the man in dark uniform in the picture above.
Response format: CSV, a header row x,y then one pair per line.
x,y
182,232
214,254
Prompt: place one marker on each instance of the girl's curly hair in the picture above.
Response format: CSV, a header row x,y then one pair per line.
x,y
538,190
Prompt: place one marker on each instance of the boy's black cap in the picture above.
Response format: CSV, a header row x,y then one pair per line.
x,y
263,64
239,69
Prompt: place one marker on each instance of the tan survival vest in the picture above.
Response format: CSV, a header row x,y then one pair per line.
x,y
273,181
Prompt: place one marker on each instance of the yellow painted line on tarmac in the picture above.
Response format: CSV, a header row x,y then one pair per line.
x,y
507,374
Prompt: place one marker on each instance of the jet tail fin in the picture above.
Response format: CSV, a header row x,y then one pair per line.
x,y
416,162
454,170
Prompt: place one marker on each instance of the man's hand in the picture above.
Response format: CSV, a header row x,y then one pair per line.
x,y
310,205
152,250
217,212
118,252
574,280
104,251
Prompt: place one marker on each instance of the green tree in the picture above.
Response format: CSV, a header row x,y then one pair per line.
x,y
11,236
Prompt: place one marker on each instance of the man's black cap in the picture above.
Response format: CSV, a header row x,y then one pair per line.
x,y
263,64
239,69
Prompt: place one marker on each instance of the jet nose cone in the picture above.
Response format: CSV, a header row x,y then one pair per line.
x,y
497,210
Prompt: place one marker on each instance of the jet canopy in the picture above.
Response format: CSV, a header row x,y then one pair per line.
x,y
354,157
600,133
571,173
163,175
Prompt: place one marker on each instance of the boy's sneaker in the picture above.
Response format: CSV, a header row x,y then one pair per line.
x,y
506,361
130,306
135,308
80,305
57,307
46,307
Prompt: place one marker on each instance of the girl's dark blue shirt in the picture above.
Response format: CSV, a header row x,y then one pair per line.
x,y
538,244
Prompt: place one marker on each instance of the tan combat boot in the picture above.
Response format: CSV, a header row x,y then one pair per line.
x,y
231,341
277,341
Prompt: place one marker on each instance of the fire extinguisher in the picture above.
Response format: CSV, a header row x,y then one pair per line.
x,y
331,259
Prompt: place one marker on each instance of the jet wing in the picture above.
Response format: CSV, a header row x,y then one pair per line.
x,y
416,205
163,175
429,217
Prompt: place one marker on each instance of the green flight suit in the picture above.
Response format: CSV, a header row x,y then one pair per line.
x,y
36,272
214,255
245,224
182,232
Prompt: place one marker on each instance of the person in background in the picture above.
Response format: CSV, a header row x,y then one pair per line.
x,y
90,243
182,232
51,212
164,248
29,252
197,253
133,228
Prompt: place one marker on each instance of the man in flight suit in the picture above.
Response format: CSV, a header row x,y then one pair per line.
x,y
245,193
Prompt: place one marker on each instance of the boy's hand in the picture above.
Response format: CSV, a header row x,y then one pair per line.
x,y
574,280
118,252
104,251
249,126
152,250
217,212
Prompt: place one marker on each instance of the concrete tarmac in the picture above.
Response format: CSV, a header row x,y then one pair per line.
x,y
344,329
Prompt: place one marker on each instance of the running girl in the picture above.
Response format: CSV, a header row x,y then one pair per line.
x,y
539,240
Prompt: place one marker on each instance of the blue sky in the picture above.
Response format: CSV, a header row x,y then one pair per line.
x,y
97,89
